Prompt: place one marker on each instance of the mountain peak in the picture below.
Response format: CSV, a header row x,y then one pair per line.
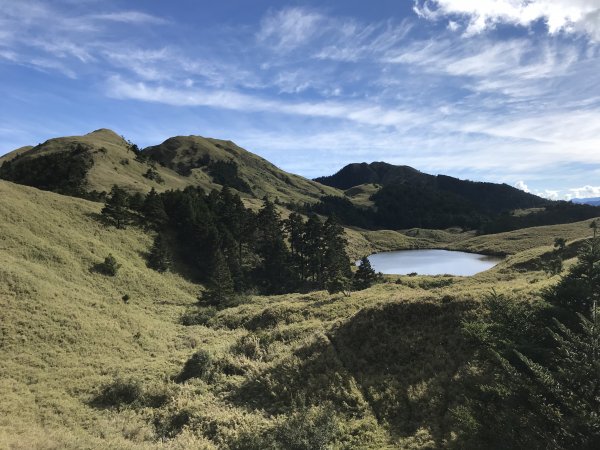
x,y
106,135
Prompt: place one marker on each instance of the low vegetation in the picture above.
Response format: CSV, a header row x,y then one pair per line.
x,y
339,358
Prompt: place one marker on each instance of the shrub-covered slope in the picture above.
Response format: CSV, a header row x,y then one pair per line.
x,y
84,366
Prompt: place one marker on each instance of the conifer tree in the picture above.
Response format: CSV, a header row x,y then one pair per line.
x,y
159,258
295,228
154,210
220,289
115,210
365,275
136,202
336,262
270,246
579,290
314,248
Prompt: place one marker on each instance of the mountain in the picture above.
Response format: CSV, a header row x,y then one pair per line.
x,y
223,162
80,165
89,165
374,173
381,195
595,201
486,196
373,196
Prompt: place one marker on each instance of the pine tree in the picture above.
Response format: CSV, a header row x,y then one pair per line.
x,y
365,275
579,290
109,266
159,258
294,226
271,248
136,202
115,210
338,283
154,210
314,248
336,262
220,289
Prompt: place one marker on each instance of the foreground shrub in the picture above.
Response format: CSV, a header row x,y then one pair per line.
x,y
199,316
109,267
129,392
200,365
309,429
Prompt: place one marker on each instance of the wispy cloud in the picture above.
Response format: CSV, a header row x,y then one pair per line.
x,y
302,84
360,112
290,28
131,17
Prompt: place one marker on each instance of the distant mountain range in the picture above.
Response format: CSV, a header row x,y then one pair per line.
x,y
595,201
375,196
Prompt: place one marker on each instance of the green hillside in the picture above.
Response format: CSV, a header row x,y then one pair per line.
x,y
78,165
82,368
197,156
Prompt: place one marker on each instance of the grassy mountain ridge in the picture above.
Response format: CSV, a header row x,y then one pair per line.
x,y
195,154
109,161
100,159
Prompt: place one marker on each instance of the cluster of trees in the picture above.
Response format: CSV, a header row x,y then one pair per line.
x,y
235,250
63,172
539,383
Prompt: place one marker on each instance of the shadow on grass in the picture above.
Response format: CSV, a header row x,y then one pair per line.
x,y
400,361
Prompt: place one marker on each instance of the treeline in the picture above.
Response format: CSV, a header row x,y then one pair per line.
x,y
553,213
404,206
233,249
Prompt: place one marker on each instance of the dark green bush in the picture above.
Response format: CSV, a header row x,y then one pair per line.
x,y
199,316
109,267
200,365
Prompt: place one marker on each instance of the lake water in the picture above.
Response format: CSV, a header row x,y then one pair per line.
x,y
431,262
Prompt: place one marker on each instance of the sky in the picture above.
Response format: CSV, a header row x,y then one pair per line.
x,y
489,90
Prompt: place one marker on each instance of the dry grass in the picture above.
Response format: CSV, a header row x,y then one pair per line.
x,y
65,333
114,164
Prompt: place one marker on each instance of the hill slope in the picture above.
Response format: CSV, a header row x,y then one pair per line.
x,y
206,157
81,368
484,196
78,165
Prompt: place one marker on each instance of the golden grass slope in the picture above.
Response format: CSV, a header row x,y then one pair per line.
x,y
263,177
65,329
513,242
115,163
65,332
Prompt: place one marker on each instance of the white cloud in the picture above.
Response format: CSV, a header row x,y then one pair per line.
x,y
131,17
360,112
521,185
559,15
584,192
289,28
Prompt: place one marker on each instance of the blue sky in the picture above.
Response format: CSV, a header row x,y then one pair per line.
x,y
498,90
